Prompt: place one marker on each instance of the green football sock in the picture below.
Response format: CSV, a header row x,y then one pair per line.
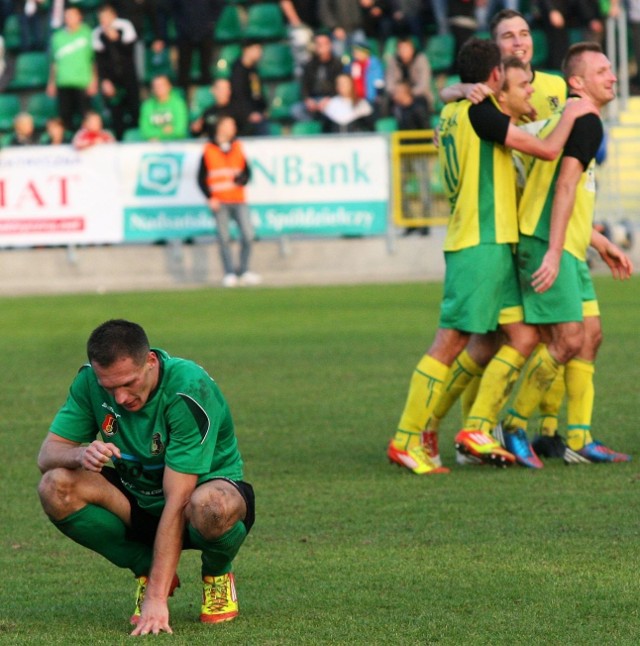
x,y
218,554
103,532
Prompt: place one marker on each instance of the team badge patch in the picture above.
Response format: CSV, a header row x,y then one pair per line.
x,y
110,425
157,446
554,101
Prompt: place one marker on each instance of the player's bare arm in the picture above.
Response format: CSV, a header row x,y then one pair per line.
x,y
57,451
550,147
178,488
475,92
563,202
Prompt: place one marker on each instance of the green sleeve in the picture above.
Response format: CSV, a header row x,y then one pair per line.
x,y
181,119
75,420
147,128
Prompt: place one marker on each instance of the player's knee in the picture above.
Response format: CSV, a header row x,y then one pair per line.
x,y
209,511
55,489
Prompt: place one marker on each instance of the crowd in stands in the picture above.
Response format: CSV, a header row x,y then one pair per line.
x,y
156,70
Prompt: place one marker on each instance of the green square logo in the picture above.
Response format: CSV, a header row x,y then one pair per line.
x,y
159,174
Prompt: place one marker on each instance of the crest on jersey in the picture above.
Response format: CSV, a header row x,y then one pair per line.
x,y
554,102
157,446
110,425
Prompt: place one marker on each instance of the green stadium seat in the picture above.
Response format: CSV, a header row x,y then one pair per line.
x,y
201,99
228,29
276,62
31,72
540,48
11,33
9,107
157,63
42,107
275,128
227,57
386,124
440,51
132,135
265,22
285,95
306,128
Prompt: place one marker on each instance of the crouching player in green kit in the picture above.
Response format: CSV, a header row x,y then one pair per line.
x,y
177,482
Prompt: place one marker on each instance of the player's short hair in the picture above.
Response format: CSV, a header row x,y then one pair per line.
x,y
510,63
572,59
504,14
476,59
115,339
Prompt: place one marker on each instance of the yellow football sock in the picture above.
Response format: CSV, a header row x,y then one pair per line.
x,y
580,396
550,405
542,371
424,390
462,372
469,395
496,384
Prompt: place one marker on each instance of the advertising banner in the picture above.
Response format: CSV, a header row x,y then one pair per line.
x,y
148,192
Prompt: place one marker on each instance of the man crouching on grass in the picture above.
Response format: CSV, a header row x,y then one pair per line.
x,y
176,480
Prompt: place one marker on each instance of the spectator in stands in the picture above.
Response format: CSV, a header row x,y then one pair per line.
x,y
377,19
318,83
345,20
194,22
32,15
301,12
247,92
224,172
150,19
24,133
207,122
113,41
55,133
164,116
410,111
92,132
558,17
462,22
73,75
412,67
345,112
6,66
367,73
634,26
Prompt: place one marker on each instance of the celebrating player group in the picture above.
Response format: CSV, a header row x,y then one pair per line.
x,y
517,151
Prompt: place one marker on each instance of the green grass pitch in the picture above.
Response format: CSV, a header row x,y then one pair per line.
x,y
347,549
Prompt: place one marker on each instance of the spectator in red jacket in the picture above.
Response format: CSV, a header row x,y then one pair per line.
x,y
92,132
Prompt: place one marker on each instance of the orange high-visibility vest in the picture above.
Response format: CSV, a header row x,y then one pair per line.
x,y
222,168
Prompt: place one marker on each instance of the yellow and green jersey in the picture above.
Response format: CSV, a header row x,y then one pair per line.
x,y
185,425
550,93
478,175
535,207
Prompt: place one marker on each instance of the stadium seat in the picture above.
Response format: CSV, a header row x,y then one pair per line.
x,y
132,135
276,62
11,33
201,99
9,107
41,107
285,95
157,63
32,71
386,124
275,128
265,22
227,57
540,48
440,51
228,29
306,128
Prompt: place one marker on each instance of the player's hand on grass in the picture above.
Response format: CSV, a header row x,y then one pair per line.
x,y
97,454
544,277
154,618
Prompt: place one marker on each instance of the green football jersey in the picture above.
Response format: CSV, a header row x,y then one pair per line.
x,y
73,55
186,425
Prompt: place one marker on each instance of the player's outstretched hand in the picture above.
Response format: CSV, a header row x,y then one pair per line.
x,y
617,260
154,618
544,277
97,454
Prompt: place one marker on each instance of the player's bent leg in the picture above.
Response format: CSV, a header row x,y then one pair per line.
x,y
220,514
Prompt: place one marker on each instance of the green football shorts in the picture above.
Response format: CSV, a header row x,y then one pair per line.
x,y
570,298
479,282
